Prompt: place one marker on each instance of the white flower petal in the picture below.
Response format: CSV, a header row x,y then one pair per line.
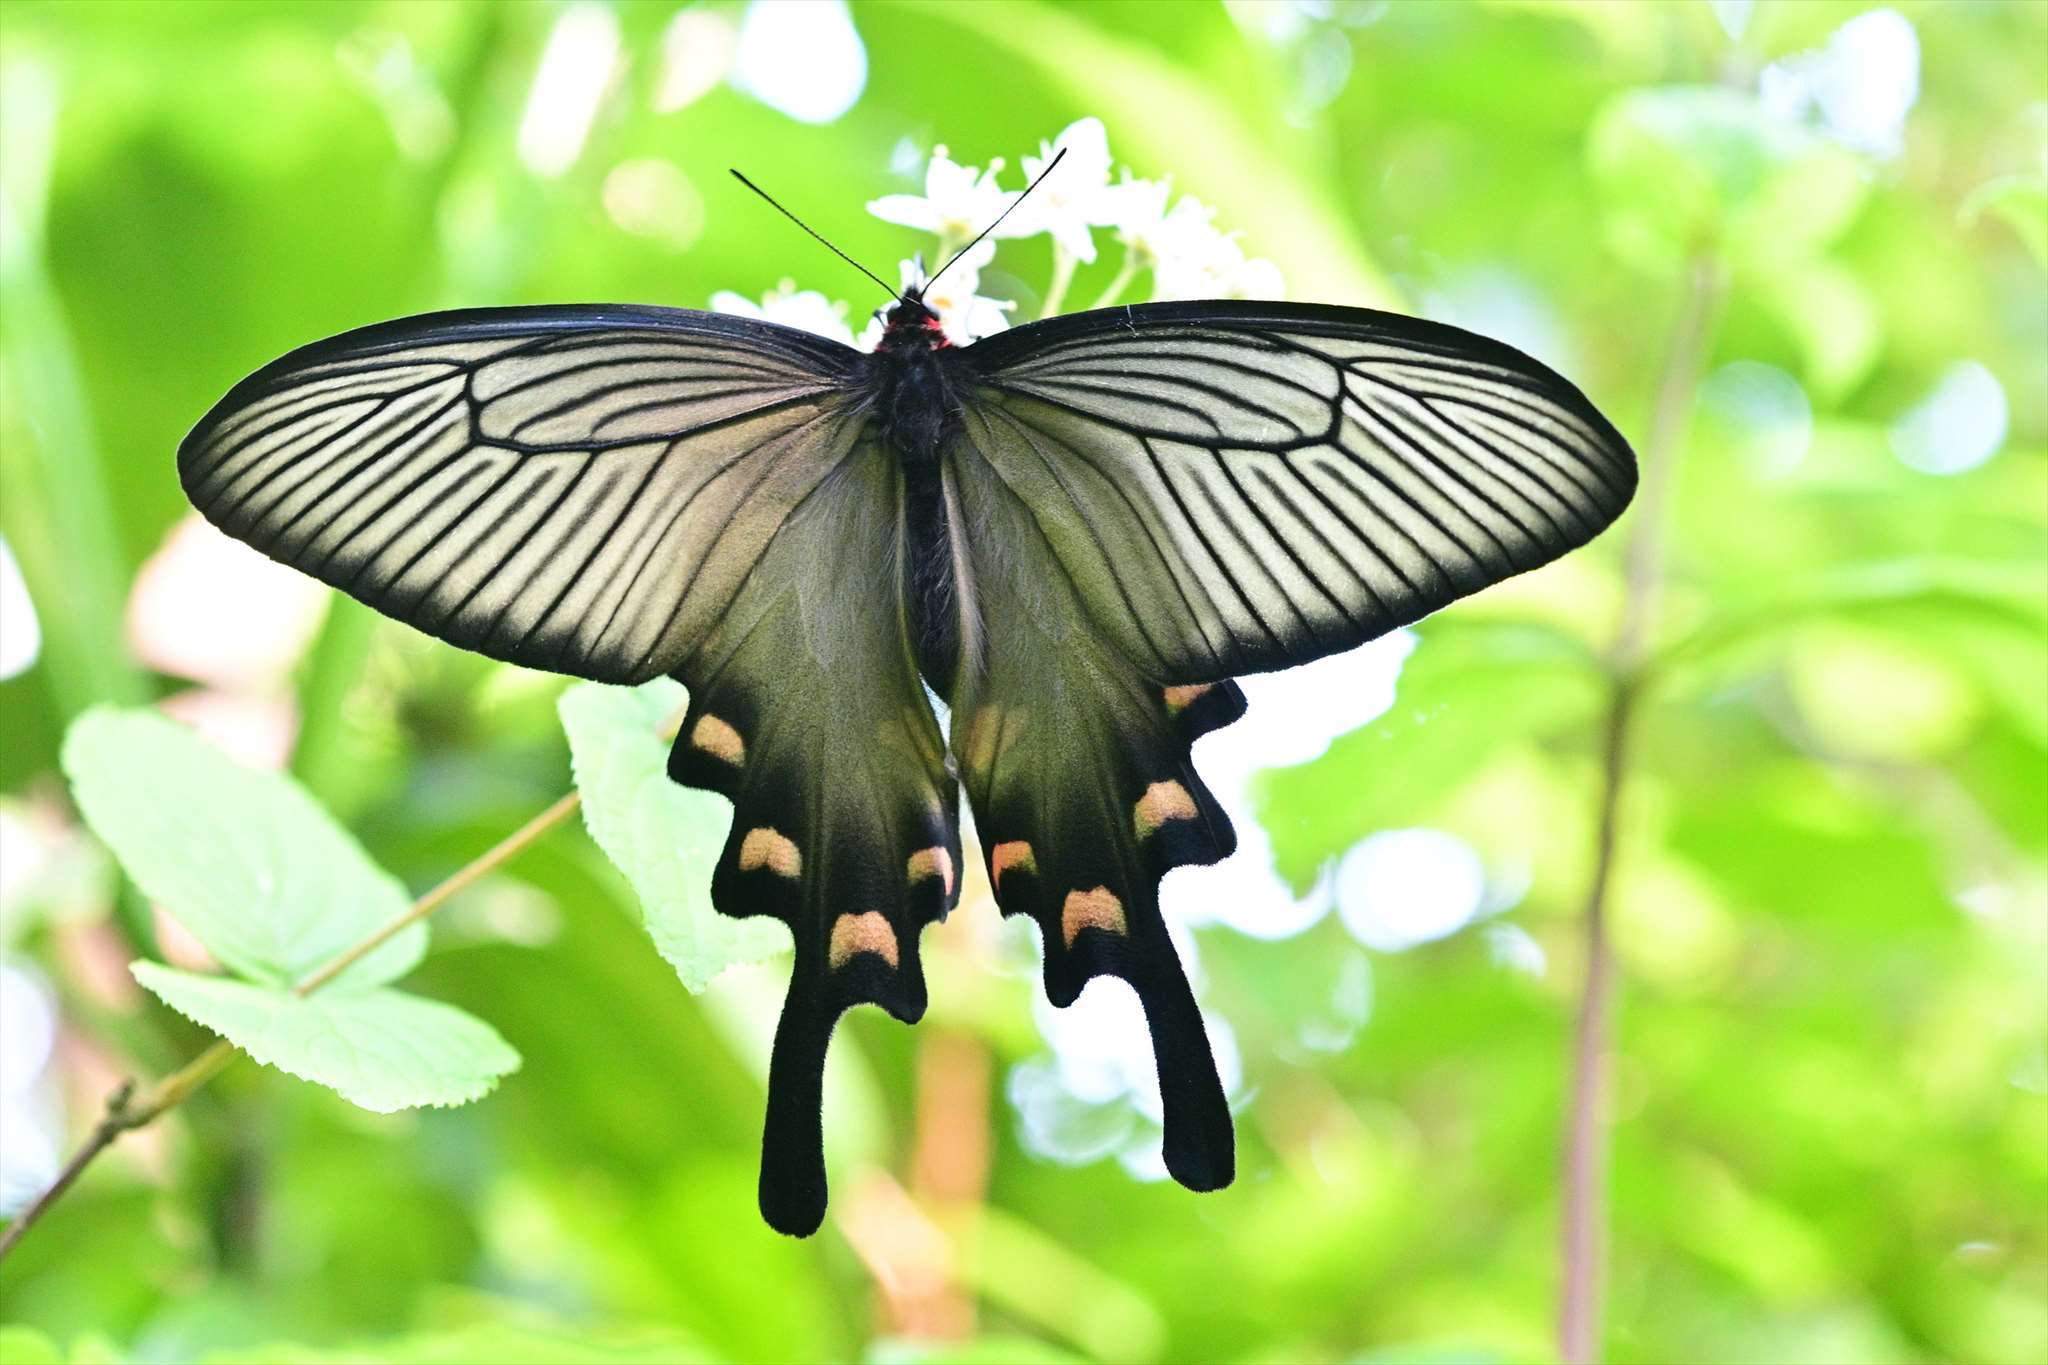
x,y
1071,232
906,210
1136,206
1072,199
1086,143
1254,279
21,634
958,201
725,301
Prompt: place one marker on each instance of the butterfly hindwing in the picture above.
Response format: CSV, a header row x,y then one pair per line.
x,y
807,711
576,489
1077,766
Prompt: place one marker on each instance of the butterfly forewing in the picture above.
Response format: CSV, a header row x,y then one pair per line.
x,y
581,490
1243,486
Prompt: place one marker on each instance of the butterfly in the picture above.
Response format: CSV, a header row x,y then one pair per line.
x,y
1077,532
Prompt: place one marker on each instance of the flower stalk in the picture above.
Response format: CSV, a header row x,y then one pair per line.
x,y
1118,282
1064,263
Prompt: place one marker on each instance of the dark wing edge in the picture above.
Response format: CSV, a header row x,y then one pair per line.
x,y
523,321
1240,486
504,478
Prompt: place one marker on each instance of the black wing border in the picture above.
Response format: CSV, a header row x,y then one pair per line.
x,y
992,355
835,363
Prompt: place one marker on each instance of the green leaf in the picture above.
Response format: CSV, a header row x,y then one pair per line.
x,y
380,1049
1835,319
664,837
1032,1276
1003,1350
247,861
1983,616
1431,1353
22,1346
1688,168
1466,692
487,1341
2018,201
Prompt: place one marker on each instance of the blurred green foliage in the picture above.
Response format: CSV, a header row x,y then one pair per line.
x,y
1831,1107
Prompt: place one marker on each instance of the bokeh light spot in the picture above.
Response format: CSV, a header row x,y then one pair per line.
x,y
803,58
1957,427
1403,887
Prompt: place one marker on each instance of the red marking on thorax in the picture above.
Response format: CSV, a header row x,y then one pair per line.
x,y
908,326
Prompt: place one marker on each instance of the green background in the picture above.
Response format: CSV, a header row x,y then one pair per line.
x,y
1830,1101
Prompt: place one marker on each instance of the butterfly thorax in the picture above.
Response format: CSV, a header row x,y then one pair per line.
x,y
918,413
911,325
911,378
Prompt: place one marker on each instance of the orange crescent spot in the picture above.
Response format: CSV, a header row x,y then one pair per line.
x,y
1161,802
932,862
718,739
773,850
1097,909
1003,857
1179,699
868,933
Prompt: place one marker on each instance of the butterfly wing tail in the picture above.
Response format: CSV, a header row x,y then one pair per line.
x,y
1080,816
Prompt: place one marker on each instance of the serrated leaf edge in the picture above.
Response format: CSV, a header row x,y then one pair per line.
x,y
141,967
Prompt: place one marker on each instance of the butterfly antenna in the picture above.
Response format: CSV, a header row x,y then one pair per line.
x,y
892,290
1057,158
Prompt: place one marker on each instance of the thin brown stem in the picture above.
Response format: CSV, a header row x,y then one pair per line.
x,y
102,1136
125,1110
463,878
1584,1232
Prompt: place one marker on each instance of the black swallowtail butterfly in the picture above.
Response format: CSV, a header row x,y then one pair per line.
x,y
1077,531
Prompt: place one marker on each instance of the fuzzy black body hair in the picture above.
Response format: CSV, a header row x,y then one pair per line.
x,y
913,379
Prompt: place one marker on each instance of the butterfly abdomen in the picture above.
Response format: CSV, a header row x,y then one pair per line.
x,y
918,411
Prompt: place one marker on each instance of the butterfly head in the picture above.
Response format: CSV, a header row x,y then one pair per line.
x,y
911,325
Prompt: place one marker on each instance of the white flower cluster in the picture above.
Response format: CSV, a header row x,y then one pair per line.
x,y
1175,241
